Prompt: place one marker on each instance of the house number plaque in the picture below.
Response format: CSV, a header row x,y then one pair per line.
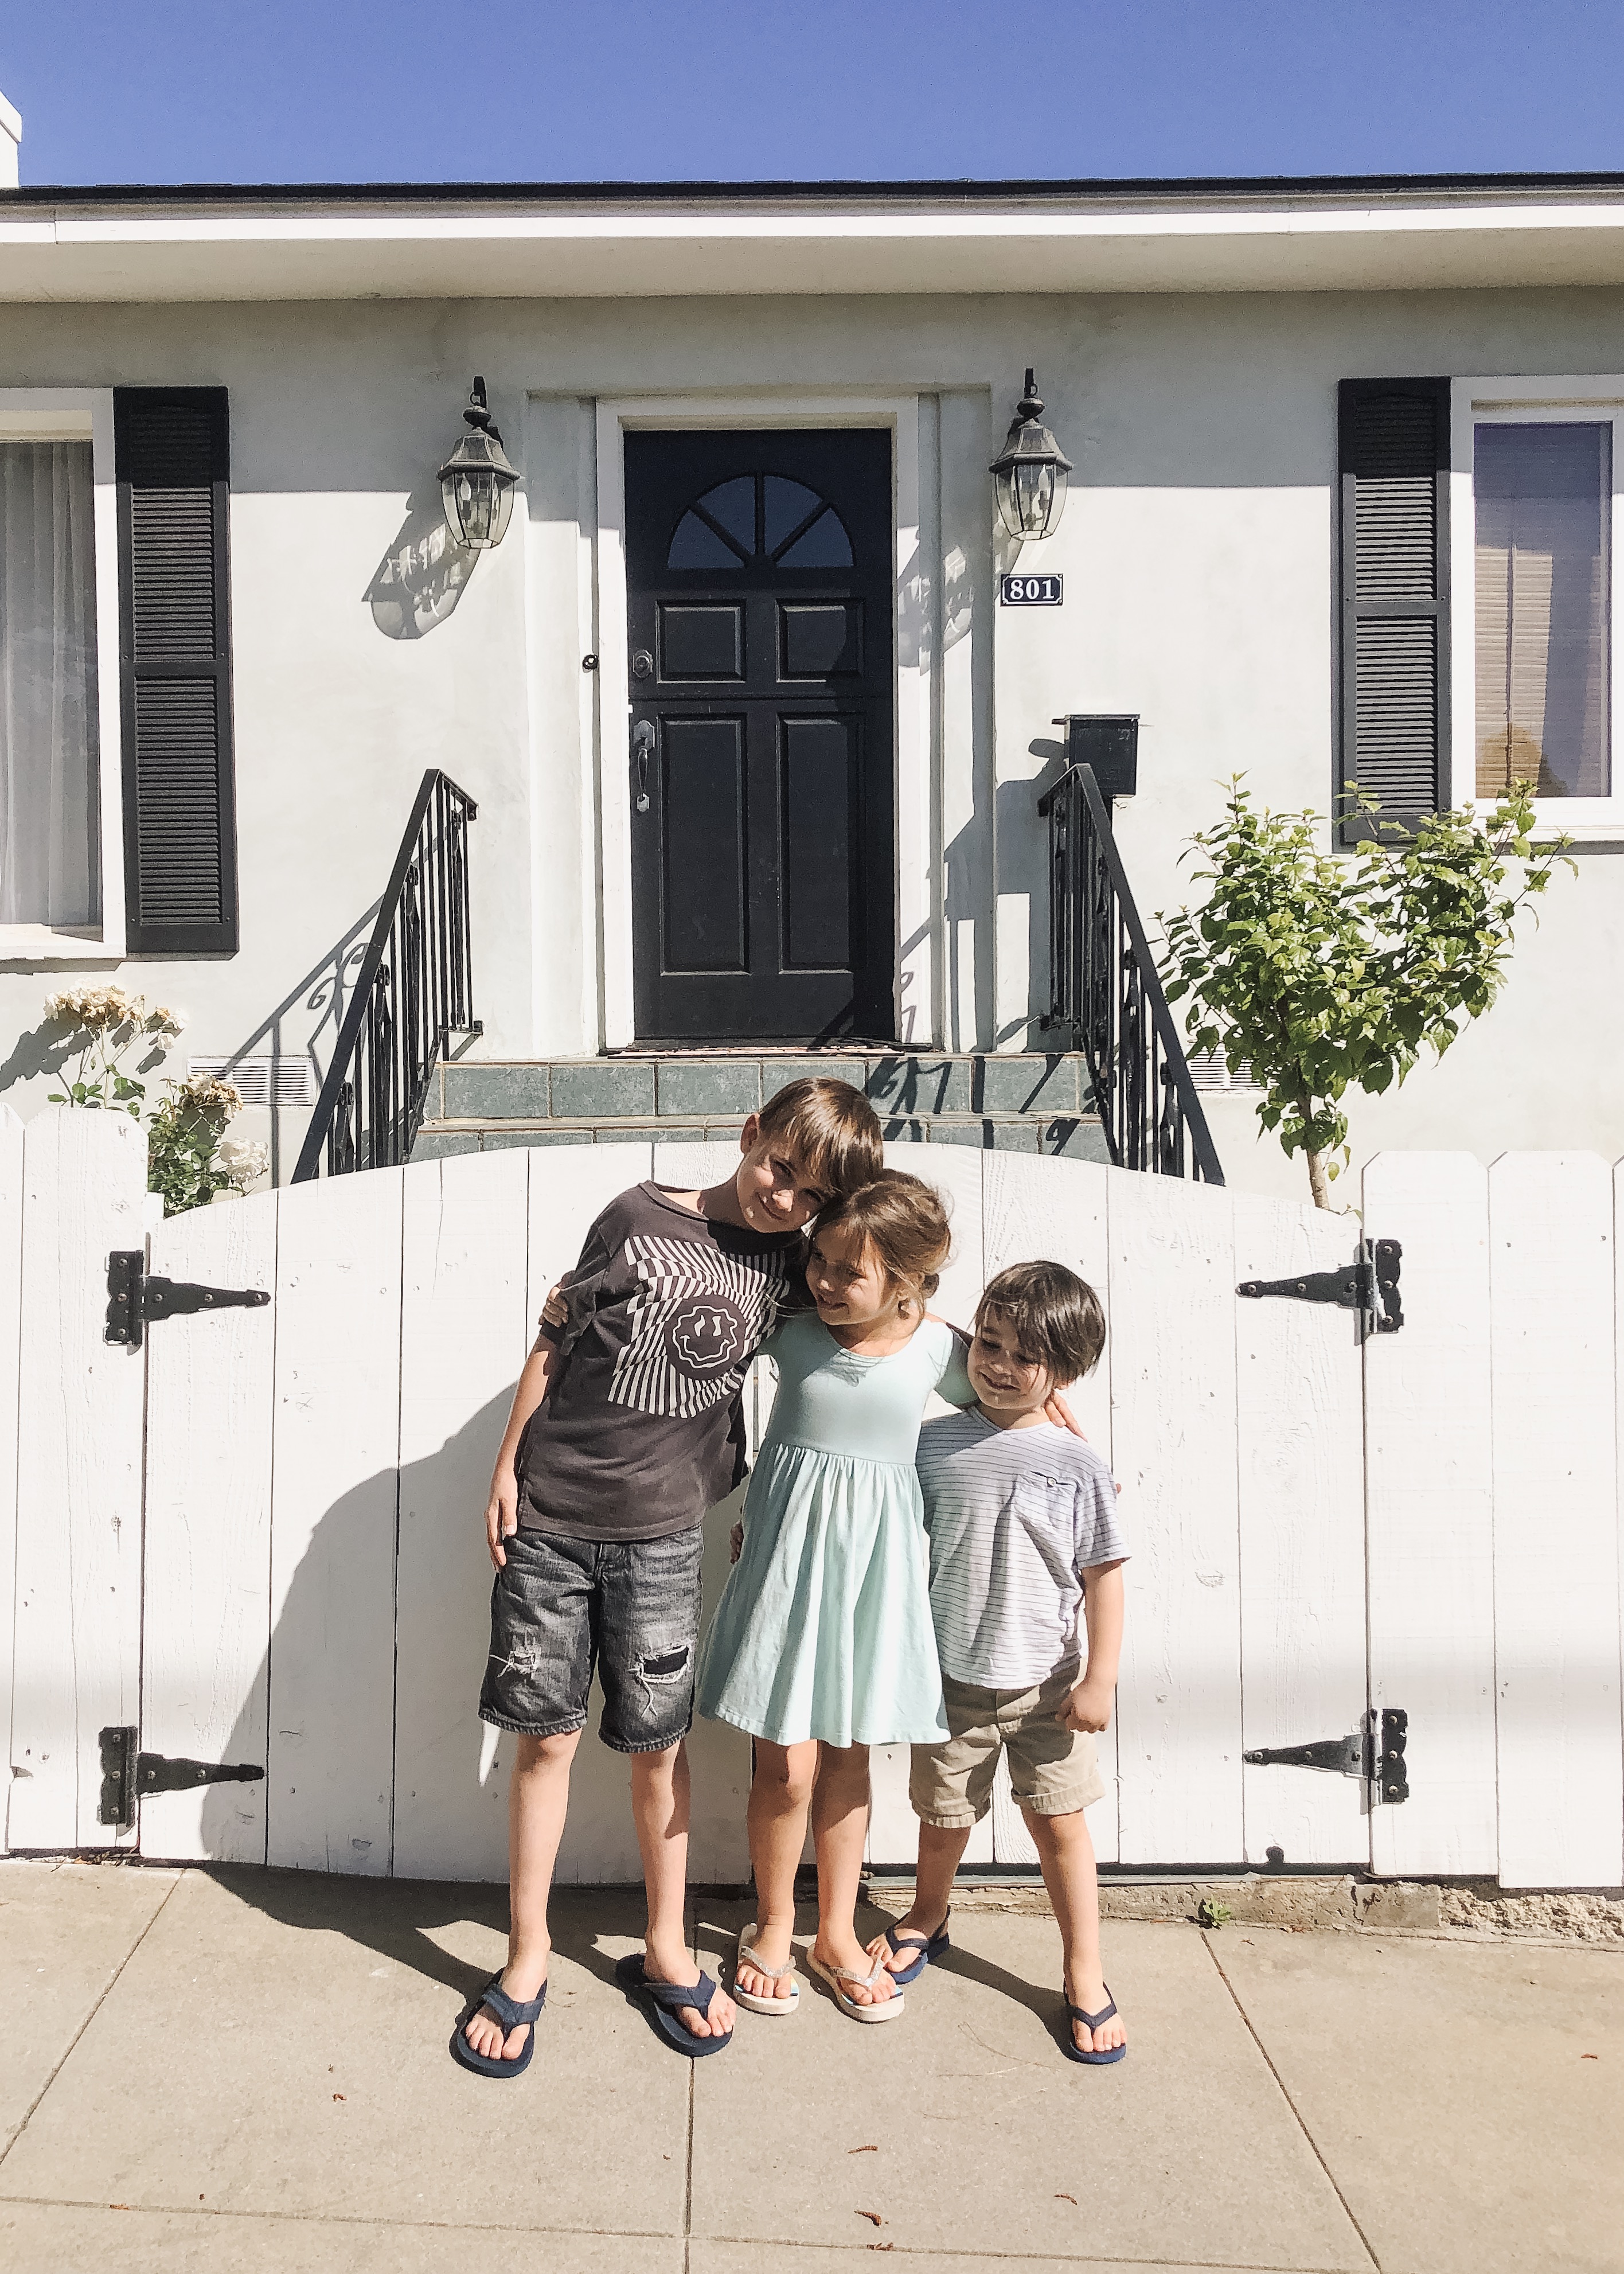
x,y
1019,592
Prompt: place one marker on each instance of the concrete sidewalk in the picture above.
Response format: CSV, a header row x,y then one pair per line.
x,y
248,2069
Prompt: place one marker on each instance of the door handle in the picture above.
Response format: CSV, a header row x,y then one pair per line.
x,y
642,749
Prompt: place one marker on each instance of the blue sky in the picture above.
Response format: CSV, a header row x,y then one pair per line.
x,y
532,90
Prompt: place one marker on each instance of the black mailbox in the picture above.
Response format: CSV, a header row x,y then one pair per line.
x,y
1109,744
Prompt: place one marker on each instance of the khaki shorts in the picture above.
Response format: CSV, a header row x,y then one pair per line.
x,y
1053,1771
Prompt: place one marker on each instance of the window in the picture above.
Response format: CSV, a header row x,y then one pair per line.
x,y
58,679
49,833
758,516
1541,557
1537,513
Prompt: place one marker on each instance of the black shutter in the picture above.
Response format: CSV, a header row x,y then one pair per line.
x,y
1392,437
173,453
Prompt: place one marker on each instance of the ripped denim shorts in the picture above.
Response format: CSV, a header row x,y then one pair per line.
x,y
562,1608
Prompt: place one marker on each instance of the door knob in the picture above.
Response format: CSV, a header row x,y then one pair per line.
x,y
642,748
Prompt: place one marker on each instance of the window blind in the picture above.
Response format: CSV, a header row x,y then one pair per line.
x,y
1542,494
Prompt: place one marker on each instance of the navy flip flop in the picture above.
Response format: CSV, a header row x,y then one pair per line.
x,y
928,1947
1069,2044
663,2000
512,2013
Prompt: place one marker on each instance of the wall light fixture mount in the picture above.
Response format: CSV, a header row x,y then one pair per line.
x,y
477,482
1029,473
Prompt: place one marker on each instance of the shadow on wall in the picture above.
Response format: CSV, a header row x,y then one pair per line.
x,y
364,1712
46,1048
416,587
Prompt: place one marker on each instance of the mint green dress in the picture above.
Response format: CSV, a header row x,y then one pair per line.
x,y
823,1629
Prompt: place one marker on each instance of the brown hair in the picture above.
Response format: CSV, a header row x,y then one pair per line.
x,y
1058,1317
830,1127
903,1220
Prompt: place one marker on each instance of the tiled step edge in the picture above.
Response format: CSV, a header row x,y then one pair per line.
x,y
700,1089
1072,1137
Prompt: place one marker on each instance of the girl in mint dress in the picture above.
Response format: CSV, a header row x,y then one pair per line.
x,y
821,1645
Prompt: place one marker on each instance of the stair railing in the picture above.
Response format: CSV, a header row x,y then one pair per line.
x,y
414,991
1105,996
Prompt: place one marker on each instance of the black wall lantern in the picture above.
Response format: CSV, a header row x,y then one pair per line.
x,y
476,481
1029,473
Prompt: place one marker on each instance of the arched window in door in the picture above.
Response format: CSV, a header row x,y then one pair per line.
x,y
760,518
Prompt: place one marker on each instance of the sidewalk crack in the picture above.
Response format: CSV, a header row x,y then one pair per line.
x,y
106,1993
1280,2081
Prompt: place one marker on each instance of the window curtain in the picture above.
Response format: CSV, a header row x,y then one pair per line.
x,y
1544,503
50,797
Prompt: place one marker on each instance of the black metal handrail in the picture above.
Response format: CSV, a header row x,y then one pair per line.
x,y
414,991
1105,993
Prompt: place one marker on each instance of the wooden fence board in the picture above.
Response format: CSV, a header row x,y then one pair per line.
x,y
1556,1555
1299,1397
1032,1207
10,1321
1172,1303
78,1471
955,1173
204,1647
332,1532
1429,1520
464,1320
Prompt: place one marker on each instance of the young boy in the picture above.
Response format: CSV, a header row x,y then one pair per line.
x,y
1024,1533
626,1427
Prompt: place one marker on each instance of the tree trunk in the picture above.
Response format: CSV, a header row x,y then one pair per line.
x,y
1317,1183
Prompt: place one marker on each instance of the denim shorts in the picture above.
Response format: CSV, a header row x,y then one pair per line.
x,y
628,1608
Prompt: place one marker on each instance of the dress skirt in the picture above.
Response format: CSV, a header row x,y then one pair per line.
x,y
823,1629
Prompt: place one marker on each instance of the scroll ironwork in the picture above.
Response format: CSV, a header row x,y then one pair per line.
x,y
1105,996
413,992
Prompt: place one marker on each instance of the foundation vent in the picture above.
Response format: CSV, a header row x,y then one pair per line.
x,y
263,1080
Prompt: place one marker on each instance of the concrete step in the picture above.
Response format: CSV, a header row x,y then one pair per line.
x,y
1024,1103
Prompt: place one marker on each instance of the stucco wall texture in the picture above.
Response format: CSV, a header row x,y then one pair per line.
x,y
1196,549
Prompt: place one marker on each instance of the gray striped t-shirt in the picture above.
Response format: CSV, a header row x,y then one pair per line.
x,y
1015,1517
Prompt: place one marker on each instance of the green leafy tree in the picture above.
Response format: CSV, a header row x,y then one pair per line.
x,y
1330,972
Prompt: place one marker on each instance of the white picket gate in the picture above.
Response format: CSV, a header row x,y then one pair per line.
x,y
1430,1522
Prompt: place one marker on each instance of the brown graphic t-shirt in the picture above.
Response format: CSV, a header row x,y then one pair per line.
x,y
642,1430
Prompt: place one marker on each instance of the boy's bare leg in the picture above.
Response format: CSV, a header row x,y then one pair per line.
x,y
940,1851
1066,1854
538,1798
780,1798
660,1812
839,1827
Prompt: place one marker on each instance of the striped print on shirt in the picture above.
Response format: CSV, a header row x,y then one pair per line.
x,y
1015,1517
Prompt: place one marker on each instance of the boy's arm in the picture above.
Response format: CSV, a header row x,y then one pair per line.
x,y
502,1514
1089,1704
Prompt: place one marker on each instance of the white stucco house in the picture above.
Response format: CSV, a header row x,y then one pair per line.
x,y
755,725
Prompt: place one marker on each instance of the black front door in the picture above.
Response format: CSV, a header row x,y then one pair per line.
x,y
759,575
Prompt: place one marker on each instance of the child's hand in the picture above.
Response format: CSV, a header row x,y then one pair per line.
x,y
1088,1706
554,1311
735,1543
502,1514
1056,1410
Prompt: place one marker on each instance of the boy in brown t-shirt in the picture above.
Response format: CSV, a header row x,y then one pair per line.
x,y
626,1427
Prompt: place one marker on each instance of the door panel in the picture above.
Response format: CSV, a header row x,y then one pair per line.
x,y
817,785
704,890
759,572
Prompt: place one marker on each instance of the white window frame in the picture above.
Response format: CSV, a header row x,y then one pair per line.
x,y
78,414
1593,402
913,956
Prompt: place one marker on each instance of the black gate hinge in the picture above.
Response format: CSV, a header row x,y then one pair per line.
x,y
1374,1751
128,1776
132,1299
1368,1285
